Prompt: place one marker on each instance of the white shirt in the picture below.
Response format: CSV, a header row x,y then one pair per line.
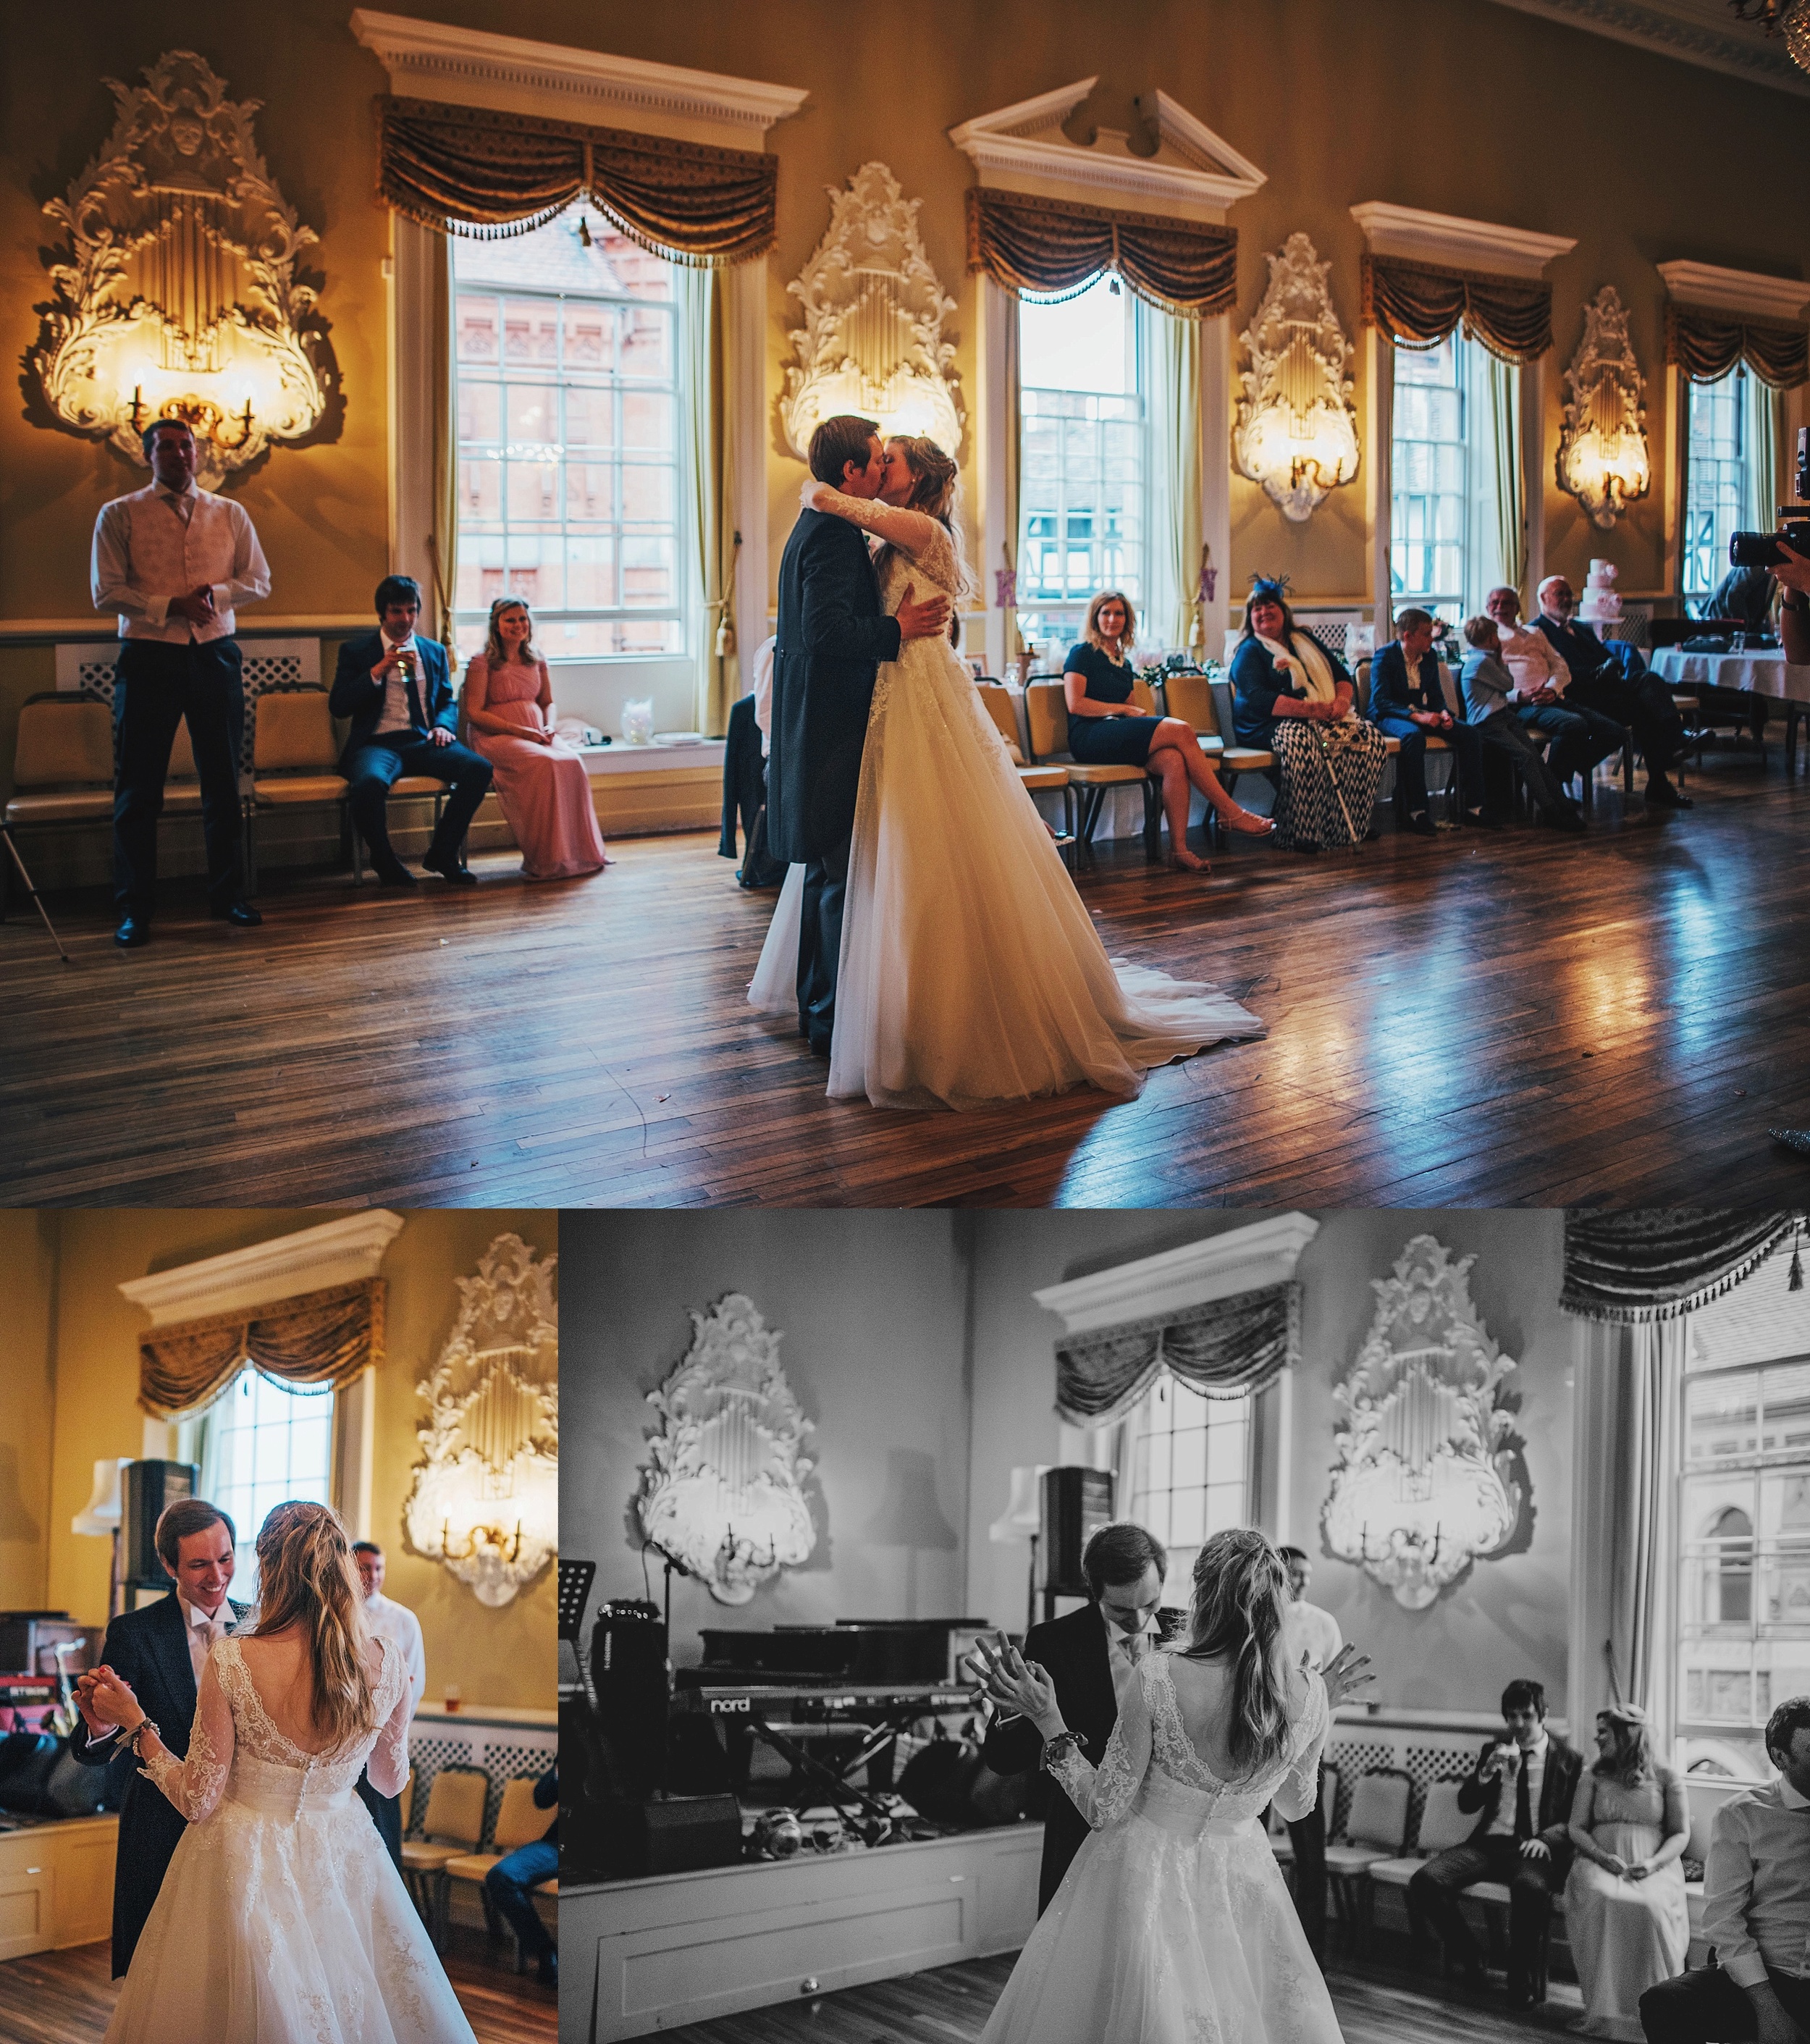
x,y
200,1633
1502,1824
763,692
1756,1891
397,717
1532,658
158,544
1307,1629
389,1621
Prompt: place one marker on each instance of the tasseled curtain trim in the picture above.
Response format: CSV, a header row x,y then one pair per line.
x,y
324,1337
1654,1263
1419,304
1706,347
1057,248
1223,1348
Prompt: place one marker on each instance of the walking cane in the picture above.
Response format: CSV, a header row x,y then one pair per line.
x,y
1326,755
30,889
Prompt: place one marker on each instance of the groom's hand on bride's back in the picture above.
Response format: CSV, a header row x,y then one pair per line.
x,y
928,620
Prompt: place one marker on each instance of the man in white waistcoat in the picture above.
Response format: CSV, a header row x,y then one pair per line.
x,y
174,563
389,1621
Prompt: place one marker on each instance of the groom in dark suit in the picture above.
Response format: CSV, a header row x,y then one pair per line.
x,y
396,689
833,635
160,1651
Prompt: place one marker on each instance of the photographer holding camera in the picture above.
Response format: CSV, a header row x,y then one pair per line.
x,y
1791,572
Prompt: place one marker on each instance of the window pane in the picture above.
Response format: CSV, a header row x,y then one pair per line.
x,y
1429,475
1716,480
265,1444
1721,1417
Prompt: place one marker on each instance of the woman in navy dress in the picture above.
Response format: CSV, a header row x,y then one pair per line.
x,y
1096,683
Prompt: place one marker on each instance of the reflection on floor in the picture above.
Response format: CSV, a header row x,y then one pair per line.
x,y
67,1997
1376,2004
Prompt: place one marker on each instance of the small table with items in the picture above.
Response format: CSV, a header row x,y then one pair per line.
x,y
1758,671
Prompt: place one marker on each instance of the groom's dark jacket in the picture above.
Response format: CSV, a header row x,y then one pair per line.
x,y
1073,1653
150,1649
833,635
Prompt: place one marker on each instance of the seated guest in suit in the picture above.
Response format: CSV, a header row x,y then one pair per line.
x,y
161,1650
1407,703
1580,737
396,689
541,782
511,1883
1642,702
1746,595
1096,686
1292,697
1626,1919
1488,709
1523,1787
1090,1655
1756,1910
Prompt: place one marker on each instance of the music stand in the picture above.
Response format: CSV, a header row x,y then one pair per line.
x,y
575,1580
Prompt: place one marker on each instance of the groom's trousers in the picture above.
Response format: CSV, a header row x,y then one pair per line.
x,y
819,944
1308,1836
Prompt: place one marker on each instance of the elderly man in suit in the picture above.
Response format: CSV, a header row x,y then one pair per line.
x,y
1639,701
396,689
161,1651
1521,1788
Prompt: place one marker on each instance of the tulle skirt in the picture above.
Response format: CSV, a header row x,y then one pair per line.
x,y
970,971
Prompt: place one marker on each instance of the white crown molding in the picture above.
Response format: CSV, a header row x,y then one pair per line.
x,y
1460,244
1736,290
1694,31
1194,175
554,82
1246,1260
338,1252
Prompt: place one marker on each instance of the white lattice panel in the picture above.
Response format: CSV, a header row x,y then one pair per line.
x,y
87,668
500,1752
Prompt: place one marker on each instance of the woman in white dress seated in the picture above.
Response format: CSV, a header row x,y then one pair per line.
x,y
1625,1912
1173,1925
280,1920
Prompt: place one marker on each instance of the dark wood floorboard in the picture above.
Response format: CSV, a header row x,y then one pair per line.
x,y
1489,1018
1376,2004
67,1997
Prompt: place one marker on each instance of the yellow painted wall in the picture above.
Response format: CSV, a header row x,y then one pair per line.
x,y
496,1657
28,1333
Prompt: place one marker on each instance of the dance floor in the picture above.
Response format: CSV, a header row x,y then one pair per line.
x,y
67,1997
1488,1018
1375,2005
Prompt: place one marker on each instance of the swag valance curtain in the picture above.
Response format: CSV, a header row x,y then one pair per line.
x,y
1052,246
324,1337
1223,1347
472,171
1652,1263
1706,347
1420,303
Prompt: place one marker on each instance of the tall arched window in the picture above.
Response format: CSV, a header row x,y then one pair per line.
x,y
1728,1579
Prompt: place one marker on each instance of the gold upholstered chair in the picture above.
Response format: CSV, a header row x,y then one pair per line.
x,y
1190,698
996,700
452,1826
295,763
518,1823
63,770
1046,717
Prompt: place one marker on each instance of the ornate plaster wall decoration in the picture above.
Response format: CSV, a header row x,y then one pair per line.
x,y
872,342
722,1494
1296,431
1429,1477
178,297
485,1497
1602,459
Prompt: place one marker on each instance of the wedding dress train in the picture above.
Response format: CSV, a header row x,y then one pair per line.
x,y
971,970
281,1919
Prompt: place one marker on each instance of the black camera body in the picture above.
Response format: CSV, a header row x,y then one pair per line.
x,y
1760,550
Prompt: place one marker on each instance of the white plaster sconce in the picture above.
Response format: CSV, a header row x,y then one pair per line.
x,y
1297,433
1603,458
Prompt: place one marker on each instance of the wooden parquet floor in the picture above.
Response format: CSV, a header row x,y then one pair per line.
x,y
1374,2004
67,1997
1490,1018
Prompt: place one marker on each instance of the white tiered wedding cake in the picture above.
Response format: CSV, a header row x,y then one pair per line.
x,y
1600,607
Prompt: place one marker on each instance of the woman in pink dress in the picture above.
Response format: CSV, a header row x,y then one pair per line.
x,y
541,782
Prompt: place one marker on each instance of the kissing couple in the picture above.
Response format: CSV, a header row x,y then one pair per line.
x,y
929,934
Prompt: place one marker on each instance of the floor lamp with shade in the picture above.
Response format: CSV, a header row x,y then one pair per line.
x,y
100,1516
1023,1520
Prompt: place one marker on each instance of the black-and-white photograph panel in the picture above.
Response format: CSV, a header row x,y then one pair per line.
x,y
279,1595
1132,1628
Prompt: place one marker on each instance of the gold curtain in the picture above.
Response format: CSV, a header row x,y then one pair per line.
x,y
1173,356
701,295
1706,347
1420,303
442,540
1012,399
324,1337
470,170
1049,245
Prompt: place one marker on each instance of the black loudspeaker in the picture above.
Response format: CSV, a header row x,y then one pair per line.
x,y
1077,1503
149,1489
674,1834
628,1673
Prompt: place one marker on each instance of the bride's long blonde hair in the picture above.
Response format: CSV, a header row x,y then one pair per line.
x,y
306,1578
937,492
1240,1587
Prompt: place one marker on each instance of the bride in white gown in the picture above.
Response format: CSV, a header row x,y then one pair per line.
x,y
1173,1925
280,1920
970,971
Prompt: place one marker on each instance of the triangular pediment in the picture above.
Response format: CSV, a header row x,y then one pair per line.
x,y
1192,173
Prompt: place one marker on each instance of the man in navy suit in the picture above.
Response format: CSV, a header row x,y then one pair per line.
x,y
1639,700
833,634
161,1650
1408,704
396,689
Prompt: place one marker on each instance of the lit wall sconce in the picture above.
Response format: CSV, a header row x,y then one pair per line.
x,y
1602,445
179,298
872,342
1429,1476
1297,433
485,1497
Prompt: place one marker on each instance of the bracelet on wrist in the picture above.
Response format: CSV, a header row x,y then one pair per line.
x,y
1055,1748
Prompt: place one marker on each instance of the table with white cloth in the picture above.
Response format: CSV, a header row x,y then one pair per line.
x,y
1763,672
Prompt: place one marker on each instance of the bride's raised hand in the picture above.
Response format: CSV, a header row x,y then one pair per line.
x,y
815,496
1346,1673
111,1701
1015,1684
